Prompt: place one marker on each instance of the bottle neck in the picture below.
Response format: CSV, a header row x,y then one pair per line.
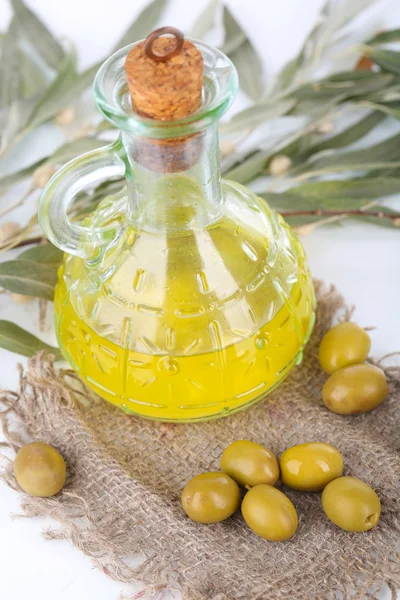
x,y
174,184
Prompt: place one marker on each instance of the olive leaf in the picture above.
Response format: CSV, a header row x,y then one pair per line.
x,y
60,156
331,19
296,68
65,89
348,84
341,166
256,114
332,195
78,84
6,181
293,68
28,278
343,14
10,79
15,339
389,60
205,20
392,109
388,94
349,135
287,74
243,55
38,35
249,168
143,24
384,37
378,156
300,220
34,79
290,201
234,34
280,131
337,89
13,119
334,17
54,97
348,189
255,162
250,80
46,254
70,150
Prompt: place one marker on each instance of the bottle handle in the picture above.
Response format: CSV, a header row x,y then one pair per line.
x,y
79,174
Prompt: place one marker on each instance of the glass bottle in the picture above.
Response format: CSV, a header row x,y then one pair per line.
x,y
184,297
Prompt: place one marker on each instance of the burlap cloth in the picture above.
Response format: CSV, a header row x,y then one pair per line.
x,y
125,475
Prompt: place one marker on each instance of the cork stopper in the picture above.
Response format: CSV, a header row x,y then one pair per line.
x,y
165,80
165,75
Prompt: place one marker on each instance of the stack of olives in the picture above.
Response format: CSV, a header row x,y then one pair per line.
x,y
212,497
354,386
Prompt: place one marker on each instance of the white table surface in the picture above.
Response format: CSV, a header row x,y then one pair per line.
x,y
363,261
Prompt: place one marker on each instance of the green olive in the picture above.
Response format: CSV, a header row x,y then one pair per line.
x,y
269,513
310,467
210,497
39,469
351,504
356,389
249,464
344,345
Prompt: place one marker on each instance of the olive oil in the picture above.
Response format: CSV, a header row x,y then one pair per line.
x,y
197,334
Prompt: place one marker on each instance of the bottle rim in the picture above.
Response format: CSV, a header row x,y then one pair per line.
x,y
111,94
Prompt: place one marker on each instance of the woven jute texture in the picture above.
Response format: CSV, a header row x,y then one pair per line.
x,y
125,476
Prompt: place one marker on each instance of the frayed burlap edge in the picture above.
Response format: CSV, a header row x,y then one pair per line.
x,y
48,398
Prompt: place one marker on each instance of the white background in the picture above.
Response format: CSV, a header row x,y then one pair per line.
x,y
363,261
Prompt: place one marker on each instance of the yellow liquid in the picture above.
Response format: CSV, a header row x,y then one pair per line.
x,y
185,380
184,387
